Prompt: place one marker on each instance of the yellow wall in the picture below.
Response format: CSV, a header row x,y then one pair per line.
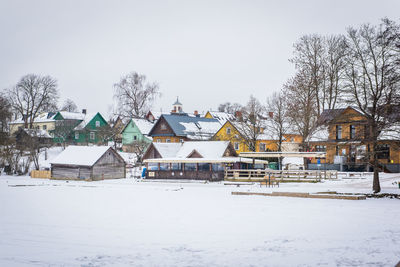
x,y
50,126
163,139
208,115
233,137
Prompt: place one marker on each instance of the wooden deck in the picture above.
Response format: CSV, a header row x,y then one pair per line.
x,y
279,175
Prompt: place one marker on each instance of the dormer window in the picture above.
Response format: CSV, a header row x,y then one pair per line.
x,y
97,123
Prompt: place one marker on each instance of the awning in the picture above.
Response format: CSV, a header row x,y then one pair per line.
x,y
205,160
282,154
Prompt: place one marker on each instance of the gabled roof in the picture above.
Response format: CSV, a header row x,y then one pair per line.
x,y
81,155
222,117
328,115
143,124
37,133
87,119
71,115
197,128
42,117
167,150
207,149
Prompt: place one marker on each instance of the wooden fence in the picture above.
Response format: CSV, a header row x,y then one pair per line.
x,y
280,175
40,174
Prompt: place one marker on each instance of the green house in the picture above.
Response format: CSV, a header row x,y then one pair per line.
x,y
136,130
92,129
65,122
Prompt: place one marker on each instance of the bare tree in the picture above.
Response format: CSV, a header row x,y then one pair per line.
x,y
333,66
278,120
250,124
134,96
309,60
373,79
5,114
302,106
138,147
69,106
230,108
33,94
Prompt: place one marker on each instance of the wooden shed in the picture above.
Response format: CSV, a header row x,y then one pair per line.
x,y
88,163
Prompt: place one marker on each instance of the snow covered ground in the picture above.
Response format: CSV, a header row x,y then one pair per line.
x,y
136,223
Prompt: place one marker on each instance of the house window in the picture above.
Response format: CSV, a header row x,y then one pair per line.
x,y
181,140
97,123
338,132
168,140
163,126
44,127
352,131
135,137
337,150
91,135
262,147
158,140
76,135
320,148
236,145
383,151
228,130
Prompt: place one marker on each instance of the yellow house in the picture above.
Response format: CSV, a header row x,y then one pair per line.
x,y
346,134
265,141
45,121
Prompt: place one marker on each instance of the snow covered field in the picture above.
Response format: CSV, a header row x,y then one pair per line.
x,y
130,223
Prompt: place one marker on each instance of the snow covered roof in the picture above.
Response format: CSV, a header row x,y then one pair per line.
x,y
207,149
86,120
197,128
72,115
143,125
320,134
80,155
168,149
222,117
391,133
37,133
42,117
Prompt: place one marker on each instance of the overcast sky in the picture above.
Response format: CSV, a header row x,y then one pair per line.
x,y
205,52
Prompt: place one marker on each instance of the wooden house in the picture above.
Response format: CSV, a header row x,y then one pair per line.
x,y
266,139
88,163
136,131
202,160
343,134
91,129
180,127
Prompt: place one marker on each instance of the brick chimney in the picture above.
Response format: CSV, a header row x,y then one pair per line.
x,y
271,114
84,111
196,113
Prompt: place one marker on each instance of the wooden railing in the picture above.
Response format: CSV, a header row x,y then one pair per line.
x,y
40,174
282,175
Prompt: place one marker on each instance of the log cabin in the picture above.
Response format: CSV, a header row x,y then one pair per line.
x,y
88,163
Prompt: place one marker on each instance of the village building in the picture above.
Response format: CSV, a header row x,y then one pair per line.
x,y
36,138
92,129
88,163
44,121
266,139
222,117
202,160
343,134
136,131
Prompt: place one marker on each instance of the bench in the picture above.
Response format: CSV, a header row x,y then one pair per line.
x,y
269,182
